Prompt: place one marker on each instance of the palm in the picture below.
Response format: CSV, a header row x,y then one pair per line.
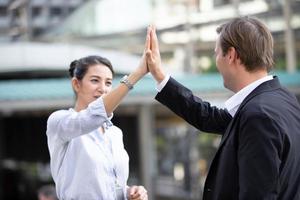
x,y
153,55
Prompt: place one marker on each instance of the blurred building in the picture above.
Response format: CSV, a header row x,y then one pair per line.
x,y
186,28
27,19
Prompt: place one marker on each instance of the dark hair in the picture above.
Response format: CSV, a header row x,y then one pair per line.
x,y
252,41
48,191
78,68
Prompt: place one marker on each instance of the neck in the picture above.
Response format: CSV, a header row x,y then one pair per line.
x,y
101,130
79,106
247,78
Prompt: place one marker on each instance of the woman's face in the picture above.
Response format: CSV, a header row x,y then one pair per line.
x,y
96,82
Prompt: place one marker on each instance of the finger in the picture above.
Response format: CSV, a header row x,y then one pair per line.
x,y
154,40
133,190
147,42
139,192
141,197
134,196
144,196
149,57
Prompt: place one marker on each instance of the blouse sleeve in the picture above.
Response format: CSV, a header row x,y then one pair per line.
x,y
67,125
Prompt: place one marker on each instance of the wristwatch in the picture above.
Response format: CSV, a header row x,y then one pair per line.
x,y
126,82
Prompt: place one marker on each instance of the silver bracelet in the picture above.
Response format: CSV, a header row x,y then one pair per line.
x,y
126,82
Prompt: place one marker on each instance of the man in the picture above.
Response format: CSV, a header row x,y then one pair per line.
x,y
259,154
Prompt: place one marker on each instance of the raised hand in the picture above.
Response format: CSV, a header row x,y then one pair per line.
x,y
143,63
153,56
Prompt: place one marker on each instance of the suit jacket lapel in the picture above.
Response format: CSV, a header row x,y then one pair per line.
x,y
264,87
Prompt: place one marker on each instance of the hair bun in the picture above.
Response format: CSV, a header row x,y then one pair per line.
x,y
72,68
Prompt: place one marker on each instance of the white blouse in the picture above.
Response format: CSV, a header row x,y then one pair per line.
x,y
84,162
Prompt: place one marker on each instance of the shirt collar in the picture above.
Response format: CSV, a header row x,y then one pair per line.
x,y
108,122
233,103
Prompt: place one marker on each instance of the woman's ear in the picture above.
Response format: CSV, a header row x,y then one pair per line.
x,y
75,84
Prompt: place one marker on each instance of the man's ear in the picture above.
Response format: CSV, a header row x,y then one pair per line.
x,y
232,55
75,84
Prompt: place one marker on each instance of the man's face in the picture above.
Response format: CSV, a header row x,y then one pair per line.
x,y
223,65
219,55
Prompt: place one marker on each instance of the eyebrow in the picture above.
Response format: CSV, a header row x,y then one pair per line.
x,y
98,77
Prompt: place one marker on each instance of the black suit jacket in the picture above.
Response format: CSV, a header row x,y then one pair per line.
x,y
259,154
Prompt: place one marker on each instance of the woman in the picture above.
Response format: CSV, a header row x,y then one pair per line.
x,y
88,159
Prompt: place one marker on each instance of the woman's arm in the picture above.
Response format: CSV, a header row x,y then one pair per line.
x,y
67,124
113,99
70,125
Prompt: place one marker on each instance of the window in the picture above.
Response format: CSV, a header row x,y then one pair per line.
x,y
3,11
36,11
221,2
55,11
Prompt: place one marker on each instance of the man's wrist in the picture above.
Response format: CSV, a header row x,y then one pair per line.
x,y
163,83
159,76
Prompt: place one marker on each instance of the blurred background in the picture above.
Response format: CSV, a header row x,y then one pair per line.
x,y
39,38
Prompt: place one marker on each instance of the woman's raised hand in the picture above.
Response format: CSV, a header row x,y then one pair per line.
x,y
153,55
143,69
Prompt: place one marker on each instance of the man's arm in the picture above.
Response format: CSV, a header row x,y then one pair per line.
x,y
180,99
198,113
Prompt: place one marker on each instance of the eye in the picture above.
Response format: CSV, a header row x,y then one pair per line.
x,y
108,83
94,80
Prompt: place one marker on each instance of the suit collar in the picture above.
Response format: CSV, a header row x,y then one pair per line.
x,y
234,102
264,87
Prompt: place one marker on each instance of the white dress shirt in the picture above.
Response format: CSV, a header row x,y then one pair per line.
x,y
234,102
162,84
84,162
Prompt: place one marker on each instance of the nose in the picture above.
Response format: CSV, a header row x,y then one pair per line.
x,y
101,88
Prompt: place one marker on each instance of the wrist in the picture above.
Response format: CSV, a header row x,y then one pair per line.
x,y
135,76
125,80
159,76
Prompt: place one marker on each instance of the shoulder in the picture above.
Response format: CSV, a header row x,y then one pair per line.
x,y
57,116
270,102
266,108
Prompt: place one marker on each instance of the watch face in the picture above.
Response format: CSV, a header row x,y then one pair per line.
x,y
126,82
124,78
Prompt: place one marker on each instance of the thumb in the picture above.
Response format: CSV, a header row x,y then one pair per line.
x,y
132,190
149,57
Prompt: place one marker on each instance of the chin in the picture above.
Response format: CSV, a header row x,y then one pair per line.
x,y
226,86
94,98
